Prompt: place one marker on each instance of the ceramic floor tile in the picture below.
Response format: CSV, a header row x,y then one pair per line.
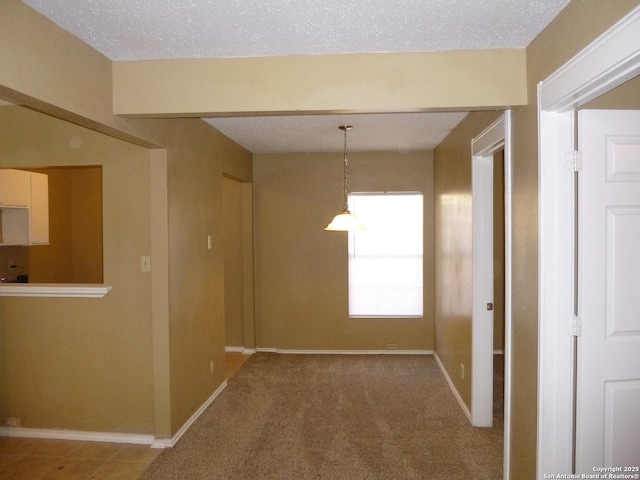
x,y
44,448
72,469
44,459
119,471
27,468
136,454
9,444
94,450
5,460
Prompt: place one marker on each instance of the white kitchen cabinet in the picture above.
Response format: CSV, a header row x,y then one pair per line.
x,y
15,188
24,208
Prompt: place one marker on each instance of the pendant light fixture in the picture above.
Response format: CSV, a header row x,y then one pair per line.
x,y
345,221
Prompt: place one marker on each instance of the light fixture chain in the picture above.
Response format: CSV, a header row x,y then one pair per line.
x,y
346,167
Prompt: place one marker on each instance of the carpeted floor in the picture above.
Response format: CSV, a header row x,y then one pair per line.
x,y
334,417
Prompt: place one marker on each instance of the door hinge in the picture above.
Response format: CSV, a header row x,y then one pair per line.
x,y
575,326
573,160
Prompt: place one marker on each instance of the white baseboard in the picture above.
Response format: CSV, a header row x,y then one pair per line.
x,y
465,409
108,436
345,352
244,351
170,442
233,349
76,435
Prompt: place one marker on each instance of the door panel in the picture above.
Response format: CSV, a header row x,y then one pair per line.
x,y
608,369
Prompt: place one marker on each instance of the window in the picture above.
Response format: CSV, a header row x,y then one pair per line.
x,y
385,259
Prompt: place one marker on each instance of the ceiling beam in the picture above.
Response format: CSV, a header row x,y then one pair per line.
x,y
349,83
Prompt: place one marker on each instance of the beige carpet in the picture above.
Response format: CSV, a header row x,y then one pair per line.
x,y
334,417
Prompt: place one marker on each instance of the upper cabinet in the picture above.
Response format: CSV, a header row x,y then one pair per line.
x,y
24,208
15,188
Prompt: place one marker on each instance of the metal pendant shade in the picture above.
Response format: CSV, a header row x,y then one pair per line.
x,y
345,221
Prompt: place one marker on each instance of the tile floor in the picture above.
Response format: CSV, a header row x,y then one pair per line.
x,y
41,459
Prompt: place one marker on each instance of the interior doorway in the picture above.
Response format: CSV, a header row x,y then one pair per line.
x,y
492,145
499,202
605,64
238,266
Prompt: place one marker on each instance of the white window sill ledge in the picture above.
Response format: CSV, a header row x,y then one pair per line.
x,y
53,290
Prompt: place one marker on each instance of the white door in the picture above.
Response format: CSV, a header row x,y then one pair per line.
x,y
608,361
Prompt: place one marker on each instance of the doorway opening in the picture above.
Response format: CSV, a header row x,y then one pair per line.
x,y
608,62
238,266
491,157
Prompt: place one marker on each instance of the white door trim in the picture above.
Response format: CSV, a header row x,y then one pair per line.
x,y
483,147
606,63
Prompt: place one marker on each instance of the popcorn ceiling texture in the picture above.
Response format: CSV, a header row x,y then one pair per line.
x,y
168,29
164,29
391,132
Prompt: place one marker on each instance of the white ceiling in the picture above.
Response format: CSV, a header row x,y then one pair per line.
x,y
163,29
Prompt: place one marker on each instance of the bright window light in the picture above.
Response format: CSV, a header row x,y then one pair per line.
x,y
385,259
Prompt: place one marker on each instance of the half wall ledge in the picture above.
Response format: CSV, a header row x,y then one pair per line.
x,y
82,290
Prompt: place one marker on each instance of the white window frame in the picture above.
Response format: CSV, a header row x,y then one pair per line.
x,y
350,240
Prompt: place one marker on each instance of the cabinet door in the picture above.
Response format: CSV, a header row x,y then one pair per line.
x,y
39,211
15,188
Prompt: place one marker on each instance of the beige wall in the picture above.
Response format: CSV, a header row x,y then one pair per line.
x,y
164,329
453,249
321,83
82,364
87,224
301,270
48,69
574,28
198,157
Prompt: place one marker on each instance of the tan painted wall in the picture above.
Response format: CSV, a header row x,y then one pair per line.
x,y
83,364
322,83
47,69
87,225
574,28
453,249
50,70
70,74
198,158
625,97
301,270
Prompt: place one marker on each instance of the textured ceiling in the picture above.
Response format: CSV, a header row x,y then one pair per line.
x,y
319,133
164,29
161,29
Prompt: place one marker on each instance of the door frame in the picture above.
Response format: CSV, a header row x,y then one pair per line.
x,y
483,147
612,59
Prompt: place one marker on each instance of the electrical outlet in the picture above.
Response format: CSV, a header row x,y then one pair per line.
x,y
462,371
392,346
212,366
12,422
145,263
